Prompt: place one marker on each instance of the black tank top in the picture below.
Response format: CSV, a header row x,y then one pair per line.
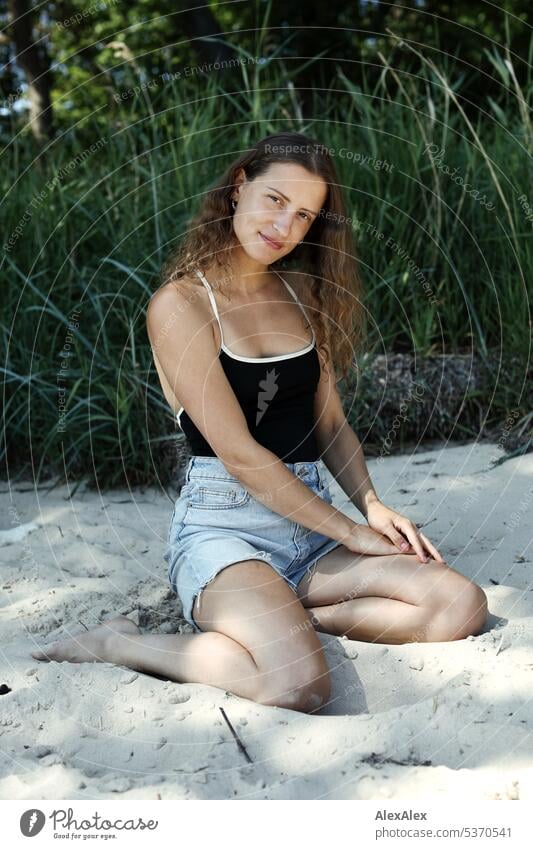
x,y
276,395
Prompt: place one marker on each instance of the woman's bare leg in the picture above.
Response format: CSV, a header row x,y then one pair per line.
x,y
208,658
386,620
260,644
391,599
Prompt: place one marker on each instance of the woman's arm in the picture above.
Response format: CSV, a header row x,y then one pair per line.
x,y
181,337
268,479
339,447
342,453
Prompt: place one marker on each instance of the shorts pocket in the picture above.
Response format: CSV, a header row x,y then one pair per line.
x,y
210,494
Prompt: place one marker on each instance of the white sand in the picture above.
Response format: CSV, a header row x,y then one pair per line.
x,y
417,721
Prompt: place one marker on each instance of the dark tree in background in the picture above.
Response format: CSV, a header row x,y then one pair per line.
x,y
77,53
31,55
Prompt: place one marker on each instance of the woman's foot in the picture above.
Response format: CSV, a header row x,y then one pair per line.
x,y
90,646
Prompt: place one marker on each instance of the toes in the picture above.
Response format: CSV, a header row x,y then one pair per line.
x,y
39,655
43,654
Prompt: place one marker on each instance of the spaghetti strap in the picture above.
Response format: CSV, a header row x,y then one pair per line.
x,y
295,296
213,302
223,346
280,419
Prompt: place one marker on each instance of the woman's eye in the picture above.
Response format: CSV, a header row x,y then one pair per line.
x,y
304,214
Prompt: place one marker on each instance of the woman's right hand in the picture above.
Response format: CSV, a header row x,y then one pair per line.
x,y
364,540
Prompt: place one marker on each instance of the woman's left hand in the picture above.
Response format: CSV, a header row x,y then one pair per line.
x,y
401,532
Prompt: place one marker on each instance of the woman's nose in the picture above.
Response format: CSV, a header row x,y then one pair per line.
x,y
283,223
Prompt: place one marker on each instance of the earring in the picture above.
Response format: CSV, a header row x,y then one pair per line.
x,y
234,203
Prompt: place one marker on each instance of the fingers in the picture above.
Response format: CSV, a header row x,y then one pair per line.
x,y
411,533
431,548
385,539
405,536
368,541
422,543
397,539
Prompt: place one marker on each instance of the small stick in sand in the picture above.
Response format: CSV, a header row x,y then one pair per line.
x,y
236,736
499,649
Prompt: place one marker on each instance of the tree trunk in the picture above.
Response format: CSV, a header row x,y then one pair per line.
x,y
34,61
199,22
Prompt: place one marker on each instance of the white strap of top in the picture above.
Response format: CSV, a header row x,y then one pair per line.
x,y
211,296
214,303
295,296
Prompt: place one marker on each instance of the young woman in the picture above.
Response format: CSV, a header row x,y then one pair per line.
x,y
246,346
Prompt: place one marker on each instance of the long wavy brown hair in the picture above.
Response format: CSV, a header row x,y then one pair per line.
x,y
327,254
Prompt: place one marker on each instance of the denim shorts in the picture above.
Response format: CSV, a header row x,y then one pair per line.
x,y
217,522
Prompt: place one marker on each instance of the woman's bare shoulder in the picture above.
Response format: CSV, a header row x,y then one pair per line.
x,y
176,293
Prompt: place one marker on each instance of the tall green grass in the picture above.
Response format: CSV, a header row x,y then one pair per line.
x,y
98,237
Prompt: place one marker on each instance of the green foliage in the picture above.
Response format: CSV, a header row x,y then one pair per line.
x,y
447,274
99,46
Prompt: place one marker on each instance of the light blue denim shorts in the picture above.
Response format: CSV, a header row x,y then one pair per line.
x,y
217,522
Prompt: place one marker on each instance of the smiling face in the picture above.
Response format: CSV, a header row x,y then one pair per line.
x,y
275,211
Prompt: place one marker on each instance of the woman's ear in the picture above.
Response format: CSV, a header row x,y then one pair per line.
x,y
240,180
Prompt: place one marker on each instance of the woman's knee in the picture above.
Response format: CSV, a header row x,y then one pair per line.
x,y
475,608
463,615
306,690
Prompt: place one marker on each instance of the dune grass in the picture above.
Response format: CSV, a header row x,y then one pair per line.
x,y
446,270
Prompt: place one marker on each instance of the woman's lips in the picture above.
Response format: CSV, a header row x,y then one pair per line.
x,y
271,242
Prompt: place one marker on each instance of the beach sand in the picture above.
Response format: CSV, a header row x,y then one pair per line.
x,y
416,721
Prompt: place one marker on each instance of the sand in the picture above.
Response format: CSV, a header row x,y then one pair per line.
x,y
415,721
